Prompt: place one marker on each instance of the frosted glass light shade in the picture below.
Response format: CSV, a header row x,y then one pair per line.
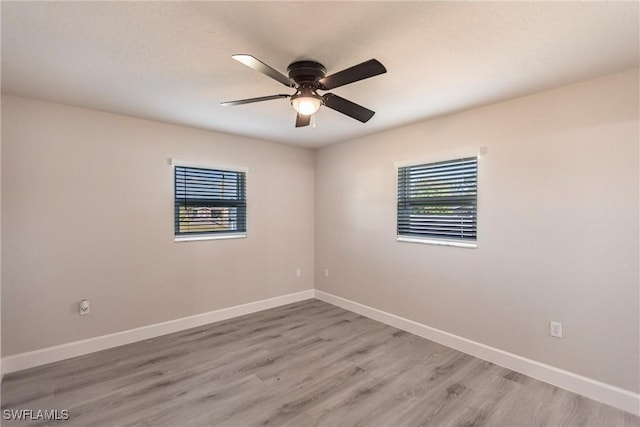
x,y
306,105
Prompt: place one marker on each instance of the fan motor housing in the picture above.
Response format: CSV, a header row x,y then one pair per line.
x,y
306,72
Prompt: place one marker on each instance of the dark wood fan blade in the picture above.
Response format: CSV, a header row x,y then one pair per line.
x,y
252,100
358,72
302,120
258,65
347,107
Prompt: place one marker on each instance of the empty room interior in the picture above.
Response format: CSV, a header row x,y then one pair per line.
x,y
320,213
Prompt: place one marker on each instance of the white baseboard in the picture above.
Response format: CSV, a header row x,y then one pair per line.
x,y
602,392
43,356
596,390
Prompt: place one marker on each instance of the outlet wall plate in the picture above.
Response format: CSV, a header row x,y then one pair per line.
x,y
555,329
85,307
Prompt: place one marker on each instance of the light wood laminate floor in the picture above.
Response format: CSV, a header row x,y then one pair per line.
x,y
302,364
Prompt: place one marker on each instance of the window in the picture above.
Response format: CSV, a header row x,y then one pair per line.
x,y
210,202
437,202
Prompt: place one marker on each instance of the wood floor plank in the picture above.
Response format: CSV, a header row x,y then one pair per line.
x,y
303,364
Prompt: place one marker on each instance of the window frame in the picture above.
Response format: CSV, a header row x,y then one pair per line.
x,y
431,240
209,235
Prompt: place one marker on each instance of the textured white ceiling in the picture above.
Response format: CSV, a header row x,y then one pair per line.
x,y
171,61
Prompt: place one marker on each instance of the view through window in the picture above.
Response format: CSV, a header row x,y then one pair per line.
x,y
438,200
209,201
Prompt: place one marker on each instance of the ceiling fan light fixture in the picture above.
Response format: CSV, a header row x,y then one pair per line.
x,y
306,103
307,77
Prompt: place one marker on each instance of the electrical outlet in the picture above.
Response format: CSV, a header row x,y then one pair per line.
x,y
555,329
85,307
299,272
326,272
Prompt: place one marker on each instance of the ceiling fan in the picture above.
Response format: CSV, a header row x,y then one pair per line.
x,y
307,77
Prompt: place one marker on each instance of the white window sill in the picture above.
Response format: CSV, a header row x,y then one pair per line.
x,y
196,237
439,242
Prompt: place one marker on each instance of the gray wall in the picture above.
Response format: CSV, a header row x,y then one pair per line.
x,y
557,228
87,212
1,374
87,205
